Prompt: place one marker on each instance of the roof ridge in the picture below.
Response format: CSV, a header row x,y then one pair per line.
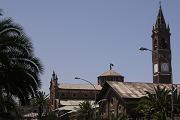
x,y
110,73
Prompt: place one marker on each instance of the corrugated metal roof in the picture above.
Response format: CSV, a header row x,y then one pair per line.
x,y
68,108
72,102
31,115
79,86
135,89
110,73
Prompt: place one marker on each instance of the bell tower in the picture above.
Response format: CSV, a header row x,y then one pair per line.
x,y
161,51
53,91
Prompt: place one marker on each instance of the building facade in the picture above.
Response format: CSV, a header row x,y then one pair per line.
x,y
70,95
67,96
121,98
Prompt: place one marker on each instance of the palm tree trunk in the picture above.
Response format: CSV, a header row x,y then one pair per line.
x,y
40,112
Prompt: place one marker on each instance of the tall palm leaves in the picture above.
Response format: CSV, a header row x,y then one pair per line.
x,y
120,117
19,68
176,101
158,104
0,12
41,100
85,111
9,109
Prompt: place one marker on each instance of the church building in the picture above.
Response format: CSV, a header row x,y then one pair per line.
x,y
121,98
66,97
114,95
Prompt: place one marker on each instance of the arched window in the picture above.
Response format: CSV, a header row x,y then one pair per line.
x,y
164,43
86,95
112,101
155,44
63,95
74,94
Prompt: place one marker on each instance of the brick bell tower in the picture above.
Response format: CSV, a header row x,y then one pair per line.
x,y
161,51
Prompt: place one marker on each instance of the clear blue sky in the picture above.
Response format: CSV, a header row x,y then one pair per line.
x,y
81,37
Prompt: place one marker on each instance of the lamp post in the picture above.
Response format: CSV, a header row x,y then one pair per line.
x,y
102,100
67,113
94,89
172,106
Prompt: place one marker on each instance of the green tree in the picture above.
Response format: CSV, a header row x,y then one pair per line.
x,y
120,117
19,68
85,111
51,116
155,106
176,101
9,109
41,100
0,12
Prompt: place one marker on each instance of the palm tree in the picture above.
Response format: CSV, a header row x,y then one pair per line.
x,y
41,100
120,117
51,116
9,108
0,12
85,111
19,68
176,100
155,105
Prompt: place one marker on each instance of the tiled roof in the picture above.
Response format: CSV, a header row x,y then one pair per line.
x,y
110,73
135,89
79,86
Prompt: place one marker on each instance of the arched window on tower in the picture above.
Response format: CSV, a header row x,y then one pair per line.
x,y
155,44
164,44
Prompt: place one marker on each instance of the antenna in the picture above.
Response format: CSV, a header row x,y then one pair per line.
x,y
160,4
110,65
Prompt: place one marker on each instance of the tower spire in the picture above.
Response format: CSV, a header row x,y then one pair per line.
x,y
160,21
159,3
54,76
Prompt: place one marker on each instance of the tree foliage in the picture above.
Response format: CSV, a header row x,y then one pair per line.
x,y
158,105
85,111
19,68
51,116
9,109
119,117
41,101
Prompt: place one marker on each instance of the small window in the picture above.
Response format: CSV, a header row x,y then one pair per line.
x,y
74,95
112,101
164,44
119,107
155,44
63,94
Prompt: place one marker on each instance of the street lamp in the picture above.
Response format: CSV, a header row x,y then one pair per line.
x,y
67,113
172,106
144,49
102,100
86,81
78,78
